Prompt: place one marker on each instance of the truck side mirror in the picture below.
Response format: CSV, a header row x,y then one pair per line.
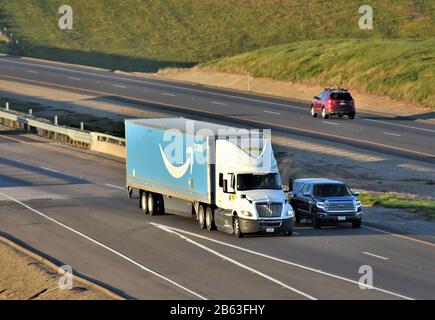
x,y
356,193
225,186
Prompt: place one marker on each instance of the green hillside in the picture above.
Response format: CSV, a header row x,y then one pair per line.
x,y
143,35
402,69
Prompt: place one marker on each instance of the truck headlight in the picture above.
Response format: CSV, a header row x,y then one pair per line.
x,y
358,203
288,212
247,214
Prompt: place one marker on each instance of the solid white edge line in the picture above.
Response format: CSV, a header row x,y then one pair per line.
x,y
152,83
286,262
375,255
103,246
239,264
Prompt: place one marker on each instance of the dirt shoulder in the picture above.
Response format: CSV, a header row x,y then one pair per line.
x,y
291,90
25,278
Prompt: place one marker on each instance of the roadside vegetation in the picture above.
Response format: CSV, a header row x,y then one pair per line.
x,y
144,35
401,69
422,207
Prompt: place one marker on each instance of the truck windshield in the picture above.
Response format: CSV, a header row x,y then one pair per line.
x,y
331,190
256,181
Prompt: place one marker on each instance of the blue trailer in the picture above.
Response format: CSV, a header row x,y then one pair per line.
x,y
205,170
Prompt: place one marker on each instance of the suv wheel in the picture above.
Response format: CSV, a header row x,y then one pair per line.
x,y
324,114
352,115
313,113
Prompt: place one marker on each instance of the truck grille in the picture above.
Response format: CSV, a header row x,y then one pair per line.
x,y
340,206
269,210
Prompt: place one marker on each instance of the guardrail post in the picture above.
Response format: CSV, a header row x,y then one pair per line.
x,y
82,126
56,121
30,112
7,105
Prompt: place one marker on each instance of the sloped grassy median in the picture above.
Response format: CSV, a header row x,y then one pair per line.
x,y
400,69
422,207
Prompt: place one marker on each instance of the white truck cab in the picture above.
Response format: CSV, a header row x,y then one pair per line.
x,y
249,193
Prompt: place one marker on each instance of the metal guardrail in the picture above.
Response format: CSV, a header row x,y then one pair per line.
x,y
42,124
94,141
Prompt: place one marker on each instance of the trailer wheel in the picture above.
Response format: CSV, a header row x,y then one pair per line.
x,y
209,219
143,202
160,205
151,204
201,217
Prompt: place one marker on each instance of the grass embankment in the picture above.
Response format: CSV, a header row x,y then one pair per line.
x,y
423,207
140,35
401,69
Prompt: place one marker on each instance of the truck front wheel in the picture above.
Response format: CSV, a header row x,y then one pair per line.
x,y
236,228
201,217
144,202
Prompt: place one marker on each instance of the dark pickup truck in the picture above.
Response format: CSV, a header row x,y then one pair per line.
x,y
324,201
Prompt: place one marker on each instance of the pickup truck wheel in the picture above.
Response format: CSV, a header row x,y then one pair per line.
x,y
351,115
316,223
152,204
288,233
236,228
356,224
144,202
324,114
201,217
313,113
209,219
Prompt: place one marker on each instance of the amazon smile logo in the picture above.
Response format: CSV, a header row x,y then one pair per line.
x,y
180,171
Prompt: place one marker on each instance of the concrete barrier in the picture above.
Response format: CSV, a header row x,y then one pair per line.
x,y
108,144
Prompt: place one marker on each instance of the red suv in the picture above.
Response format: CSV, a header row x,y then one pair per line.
x,y
333,102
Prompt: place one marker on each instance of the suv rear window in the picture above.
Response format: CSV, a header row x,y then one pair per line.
x,y
341,96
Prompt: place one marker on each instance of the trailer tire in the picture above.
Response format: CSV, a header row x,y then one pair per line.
x,y
152,210
160,204
143,204
201,217
209,219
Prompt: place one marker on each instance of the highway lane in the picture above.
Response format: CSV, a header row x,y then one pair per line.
x,y
83,191
402,137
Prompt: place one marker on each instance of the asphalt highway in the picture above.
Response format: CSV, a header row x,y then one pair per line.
x,y
70,206
400,136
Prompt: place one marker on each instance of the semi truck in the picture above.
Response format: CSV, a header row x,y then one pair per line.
x,y
226,178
